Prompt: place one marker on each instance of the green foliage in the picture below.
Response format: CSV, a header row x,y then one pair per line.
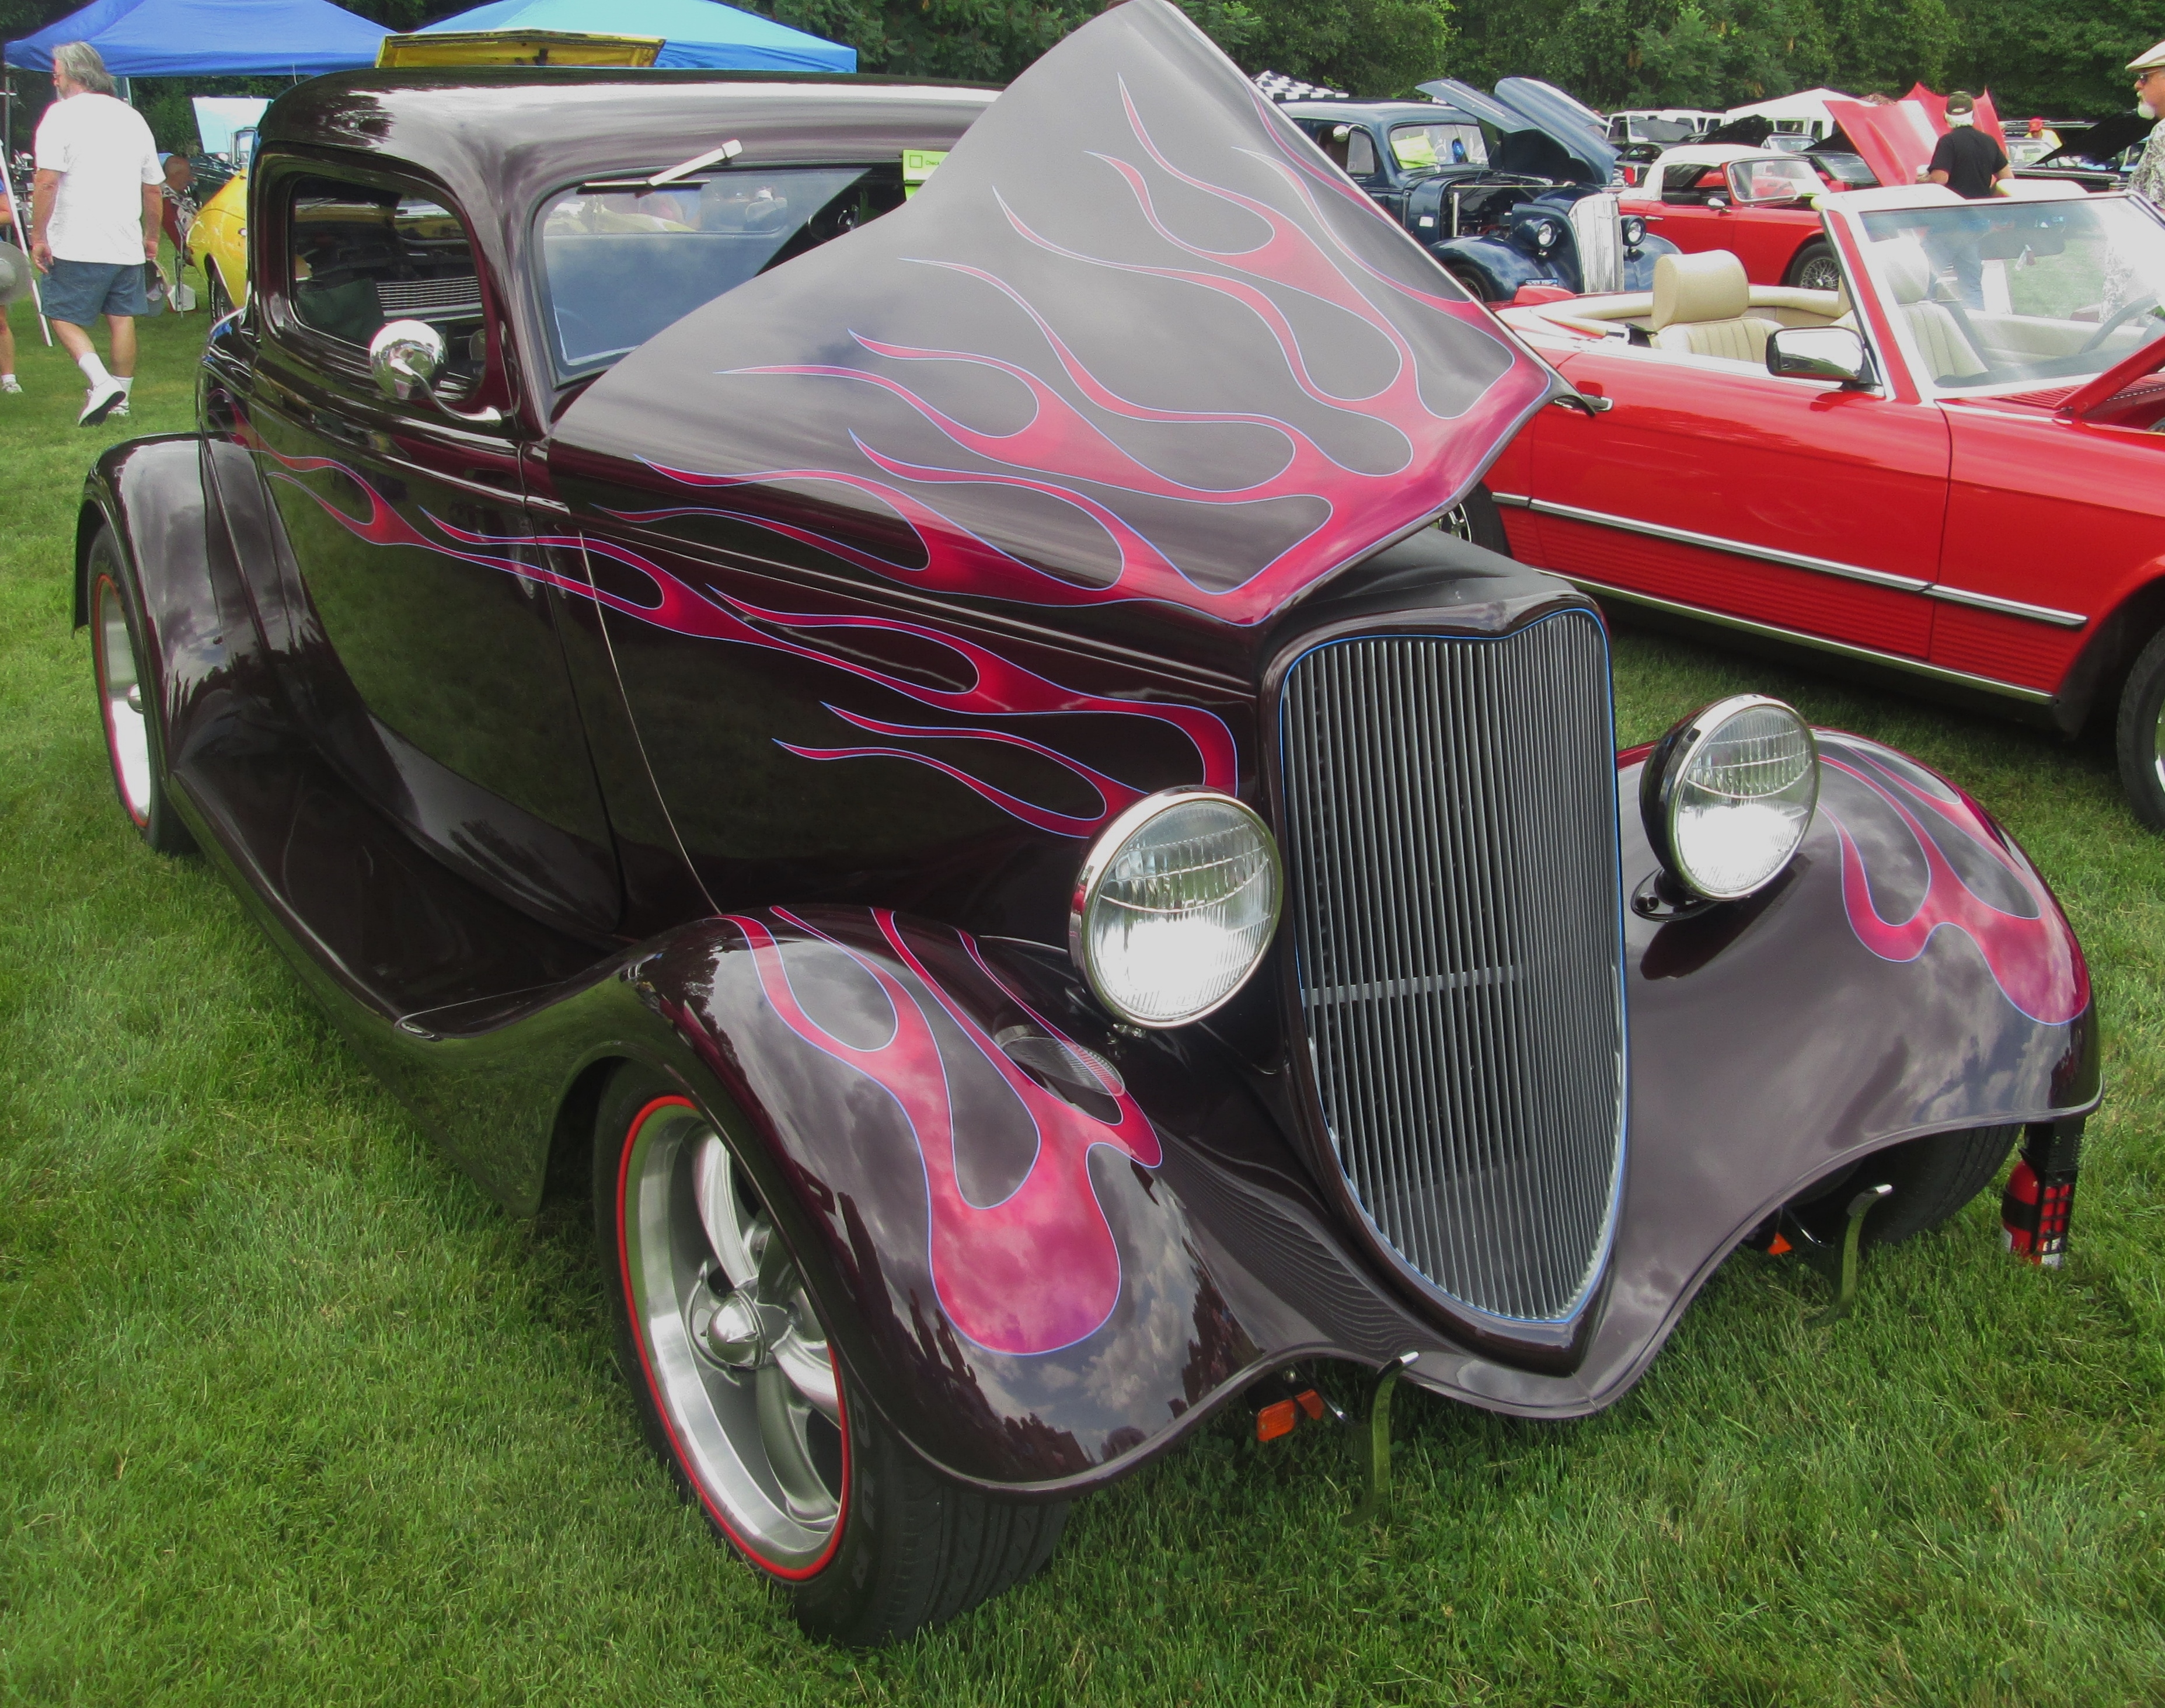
x,y
2060,58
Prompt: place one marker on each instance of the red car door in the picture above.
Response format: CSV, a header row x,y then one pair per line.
x,y
2051,524
1717,487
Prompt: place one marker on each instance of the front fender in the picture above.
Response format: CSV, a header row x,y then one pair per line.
x,y
1639,262
1500,268
977,1190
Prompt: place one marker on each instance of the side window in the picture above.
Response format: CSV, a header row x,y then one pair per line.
x,y
1360,156
361,254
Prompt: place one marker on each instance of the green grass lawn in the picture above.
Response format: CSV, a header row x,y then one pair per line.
x,y
290,1414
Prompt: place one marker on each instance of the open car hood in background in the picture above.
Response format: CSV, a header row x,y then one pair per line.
x,y
1136,339
1896,138
1521,106
2103,142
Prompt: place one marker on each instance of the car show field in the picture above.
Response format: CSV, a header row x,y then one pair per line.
x,y
294,1413
1144,888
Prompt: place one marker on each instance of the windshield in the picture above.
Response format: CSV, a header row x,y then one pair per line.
x,y
1999,294
1419,147
623,263
1773,181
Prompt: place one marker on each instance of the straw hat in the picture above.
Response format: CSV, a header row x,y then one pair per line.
x,y
14,274
2154,61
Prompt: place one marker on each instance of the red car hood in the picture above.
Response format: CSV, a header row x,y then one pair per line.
x,y
1896,139
1136,339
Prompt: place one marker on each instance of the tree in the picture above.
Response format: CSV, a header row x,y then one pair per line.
x,y
2061,58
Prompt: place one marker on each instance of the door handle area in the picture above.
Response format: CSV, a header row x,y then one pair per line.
x,y
1587,403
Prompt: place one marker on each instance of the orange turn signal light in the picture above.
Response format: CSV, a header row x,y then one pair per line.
x,y
1275,1420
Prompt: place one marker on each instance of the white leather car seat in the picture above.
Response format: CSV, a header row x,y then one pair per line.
x,y
1947,354
1700,304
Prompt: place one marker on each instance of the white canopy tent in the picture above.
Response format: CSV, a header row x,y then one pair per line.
x,y
1809,106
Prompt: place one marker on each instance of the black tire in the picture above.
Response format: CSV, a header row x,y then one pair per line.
x,y
1475,517
1473,284
220,302
2139,735
1933,1178
903,1548
1815,268
130,708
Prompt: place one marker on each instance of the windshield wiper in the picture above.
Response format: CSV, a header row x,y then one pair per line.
x,y
714,156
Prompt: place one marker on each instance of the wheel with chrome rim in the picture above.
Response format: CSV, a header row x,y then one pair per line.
x,y
745,1399
1815,268
127,701
2140,734
221,301
1475,517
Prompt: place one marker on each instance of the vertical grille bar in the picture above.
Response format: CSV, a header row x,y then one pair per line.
x,y
1451,843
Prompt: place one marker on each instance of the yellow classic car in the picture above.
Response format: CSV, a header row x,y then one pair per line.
x,y
218,243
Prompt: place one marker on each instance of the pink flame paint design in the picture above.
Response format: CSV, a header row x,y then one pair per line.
x,y
1039,1270
1059,444
2036,962
998,687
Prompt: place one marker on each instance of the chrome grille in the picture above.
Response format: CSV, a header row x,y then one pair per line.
x,y
431,298
1597,225
1451,855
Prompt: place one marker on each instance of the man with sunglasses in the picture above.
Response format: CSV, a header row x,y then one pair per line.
x,y
2149,177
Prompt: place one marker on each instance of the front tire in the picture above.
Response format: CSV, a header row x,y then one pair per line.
x,y
2139,735
221,301
741,1396
1933,1178
1815,268
129,702
1476,518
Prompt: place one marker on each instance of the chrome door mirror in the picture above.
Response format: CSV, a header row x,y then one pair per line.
x,y
405,357
1820,353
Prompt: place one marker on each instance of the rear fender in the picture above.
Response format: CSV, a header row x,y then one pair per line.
x,y
150,493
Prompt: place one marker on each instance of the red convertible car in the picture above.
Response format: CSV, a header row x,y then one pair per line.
x,y
1960,475
1760,206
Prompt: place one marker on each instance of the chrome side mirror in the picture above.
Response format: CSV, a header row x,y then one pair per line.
x,y
405,357
1820,353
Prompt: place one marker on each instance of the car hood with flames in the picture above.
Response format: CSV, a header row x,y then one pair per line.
x,y
1137,340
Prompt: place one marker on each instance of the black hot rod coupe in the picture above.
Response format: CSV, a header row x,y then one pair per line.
x,y
929,749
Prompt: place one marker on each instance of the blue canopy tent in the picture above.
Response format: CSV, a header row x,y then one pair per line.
x,y
209,38
694,33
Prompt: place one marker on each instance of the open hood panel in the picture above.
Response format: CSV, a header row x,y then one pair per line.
x,y
1524,108
1136,339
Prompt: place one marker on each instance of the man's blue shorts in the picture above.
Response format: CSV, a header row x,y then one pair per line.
x,y
78,291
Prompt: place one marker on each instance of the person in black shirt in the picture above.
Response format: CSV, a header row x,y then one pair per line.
x,y
1967,160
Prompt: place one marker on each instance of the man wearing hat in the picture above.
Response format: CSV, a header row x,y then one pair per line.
x,y
1967,160
2149,69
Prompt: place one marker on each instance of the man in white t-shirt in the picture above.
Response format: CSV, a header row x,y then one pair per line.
x,y
96,207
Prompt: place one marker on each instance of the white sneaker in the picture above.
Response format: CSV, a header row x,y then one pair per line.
x,y
98,402
118,412
12,385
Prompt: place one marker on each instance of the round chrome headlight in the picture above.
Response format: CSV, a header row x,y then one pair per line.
x,y
1634,232
1545,235
1174,906
1728,794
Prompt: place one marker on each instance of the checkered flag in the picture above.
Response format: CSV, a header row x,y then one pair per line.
x,y
1278,87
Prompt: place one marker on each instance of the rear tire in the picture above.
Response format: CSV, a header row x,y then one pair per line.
x,y
1933,1178
2139,735
759,1423
1815,268
129,702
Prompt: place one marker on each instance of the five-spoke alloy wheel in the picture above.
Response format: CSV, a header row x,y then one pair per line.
x,y
745,1399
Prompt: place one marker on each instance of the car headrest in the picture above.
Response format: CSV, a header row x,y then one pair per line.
x,y
1908,273
1689,288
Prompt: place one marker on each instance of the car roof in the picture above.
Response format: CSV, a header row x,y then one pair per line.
x,y
498,133
1716,153
1383,112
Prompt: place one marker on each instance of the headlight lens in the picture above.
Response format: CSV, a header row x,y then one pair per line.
x,y
1635,232
1728,794
1545,235
1175,905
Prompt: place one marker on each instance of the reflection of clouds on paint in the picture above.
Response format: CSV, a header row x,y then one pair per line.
x,y
2031,955
1127,1377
